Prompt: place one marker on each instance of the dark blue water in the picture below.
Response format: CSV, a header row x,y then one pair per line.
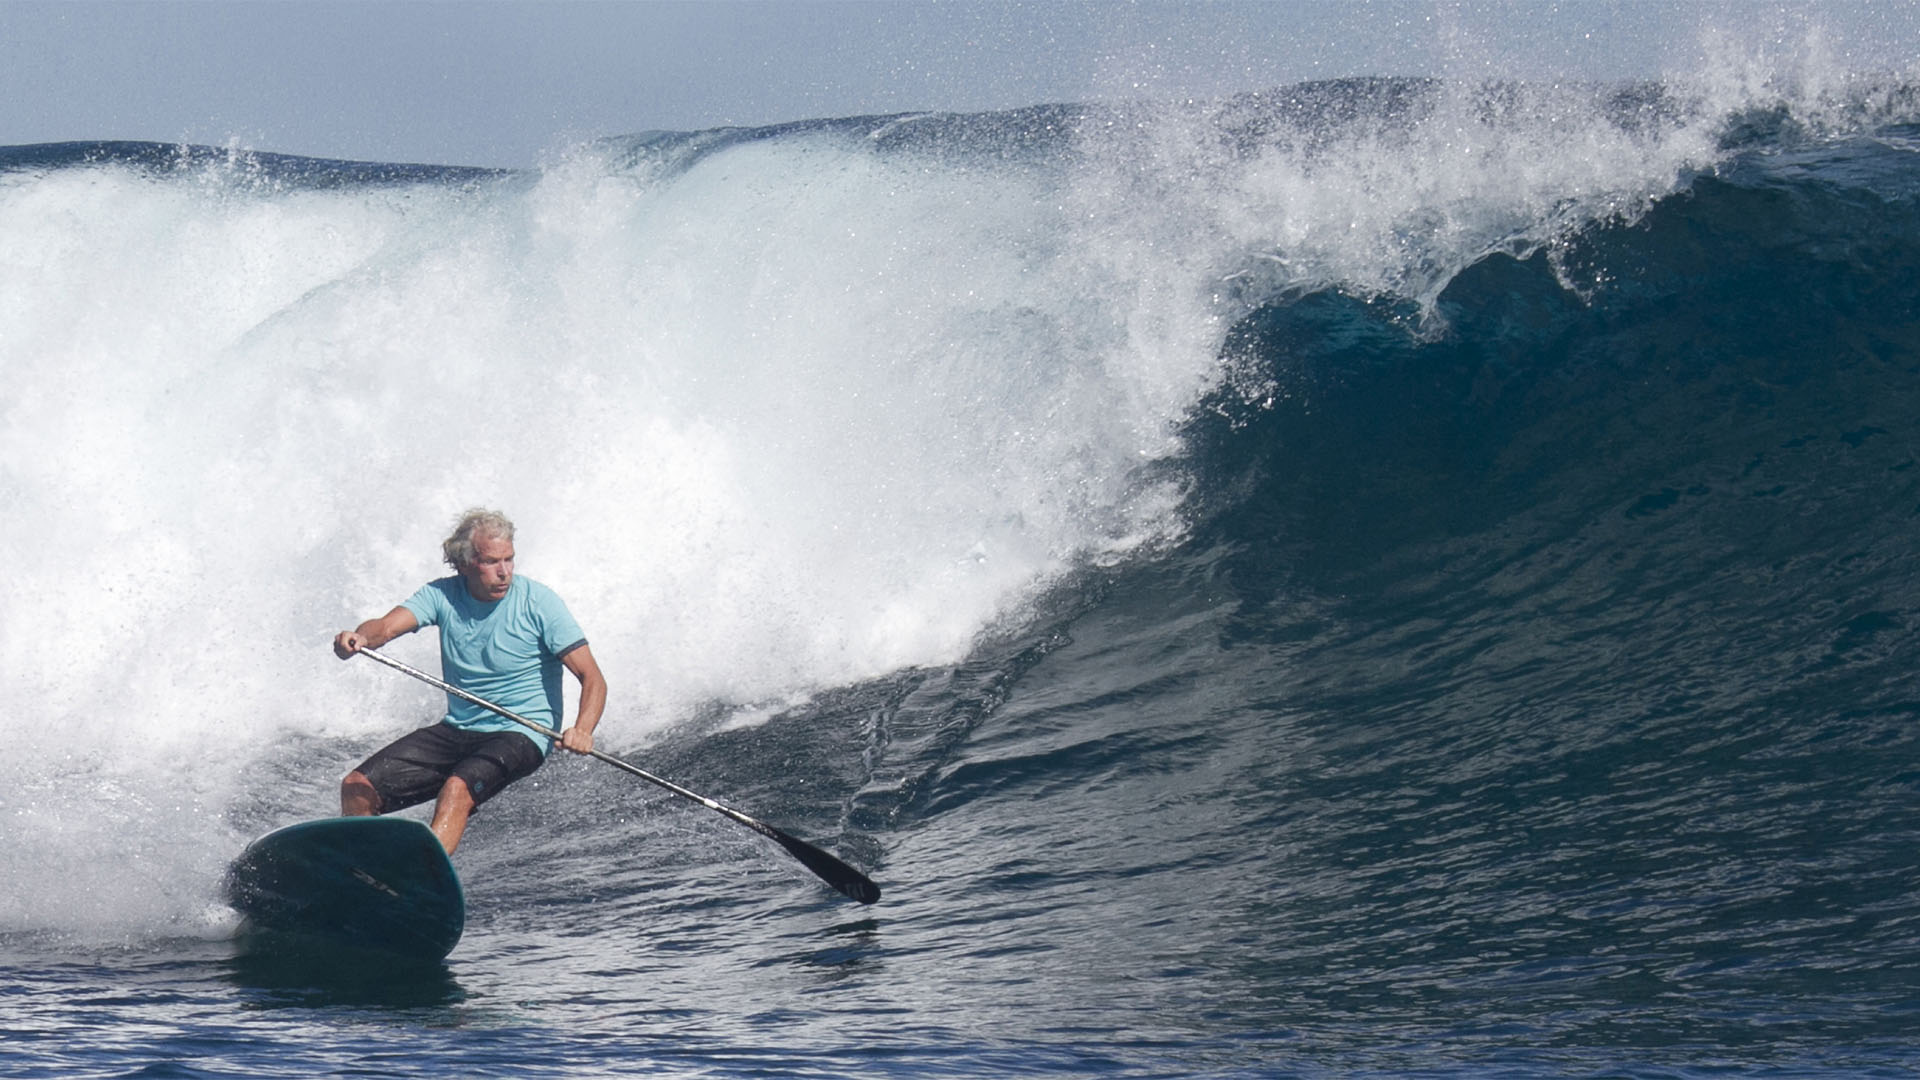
x,y
1529,691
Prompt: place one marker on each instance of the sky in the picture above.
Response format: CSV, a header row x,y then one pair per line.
x,y
513,82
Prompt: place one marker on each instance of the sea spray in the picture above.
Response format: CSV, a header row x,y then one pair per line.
x,y
795,417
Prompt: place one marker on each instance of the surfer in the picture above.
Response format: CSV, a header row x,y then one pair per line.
x,y
501,637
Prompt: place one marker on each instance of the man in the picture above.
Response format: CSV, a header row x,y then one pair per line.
x,y
503,638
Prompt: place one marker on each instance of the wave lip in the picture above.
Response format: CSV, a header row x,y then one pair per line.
x,y
284,171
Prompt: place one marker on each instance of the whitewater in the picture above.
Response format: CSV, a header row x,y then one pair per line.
x,y
1386,576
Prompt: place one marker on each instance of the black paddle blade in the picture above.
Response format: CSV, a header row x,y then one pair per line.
x,y
829,869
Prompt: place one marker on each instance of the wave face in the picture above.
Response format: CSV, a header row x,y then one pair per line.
x,y
1377,565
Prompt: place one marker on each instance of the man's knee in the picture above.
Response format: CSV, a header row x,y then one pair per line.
x,y
456,793
358,795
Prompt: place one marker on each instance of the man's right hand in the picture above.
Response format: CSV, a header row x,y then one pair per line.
x,y
346,643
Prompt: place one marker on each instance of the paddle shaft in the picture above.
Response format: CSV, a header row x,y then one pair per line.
x,y
830,869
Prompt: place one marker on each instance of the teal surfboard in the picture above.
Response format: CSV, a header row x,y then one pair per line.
x,y
351,884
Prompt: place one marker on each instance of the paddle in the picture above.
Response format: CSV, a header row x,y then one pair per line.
x,y
830,870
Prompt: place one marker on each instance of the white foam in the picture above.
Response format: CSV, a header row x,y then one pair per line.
x,y
798,417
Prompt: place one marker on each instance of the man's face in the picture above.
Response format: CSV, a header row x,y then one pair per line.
x,y
492,568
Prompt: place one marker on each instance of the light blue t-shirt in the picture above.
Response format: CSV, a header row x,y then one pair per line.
x,y
507,651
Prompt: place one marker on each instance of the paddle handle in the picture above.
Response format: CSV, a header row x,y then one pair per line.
x,y
397,665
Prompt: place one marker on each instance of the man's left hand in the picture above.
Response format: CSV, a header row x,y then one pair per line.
x,y
580,742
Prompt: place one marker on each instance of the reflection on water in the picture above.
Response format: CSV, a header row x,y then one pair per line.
x,y
859,954
292,978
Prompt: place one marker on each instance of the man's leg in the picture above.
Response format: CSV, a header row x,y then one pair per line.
x,y
406,772
357,797
451,812
499,758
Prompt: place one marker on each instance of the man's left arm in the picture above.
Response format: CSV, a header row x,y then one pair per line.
x,y
593,699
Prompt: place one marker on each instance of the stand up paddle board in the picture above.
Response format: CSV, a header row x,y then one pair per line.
x,y
359,884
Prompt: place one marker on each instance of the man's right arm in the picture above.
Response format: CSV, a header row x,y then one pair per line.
x,y
375,632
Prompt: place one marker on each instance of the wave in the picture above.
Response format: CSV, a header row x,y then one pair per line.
x,y
778,411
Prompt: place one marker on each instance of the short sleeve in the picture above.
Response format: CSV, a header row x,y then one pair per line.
x,y
559,633
428,604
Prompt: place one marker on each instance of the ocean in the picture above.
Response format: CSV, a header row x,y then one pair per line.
x,y
1372,578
